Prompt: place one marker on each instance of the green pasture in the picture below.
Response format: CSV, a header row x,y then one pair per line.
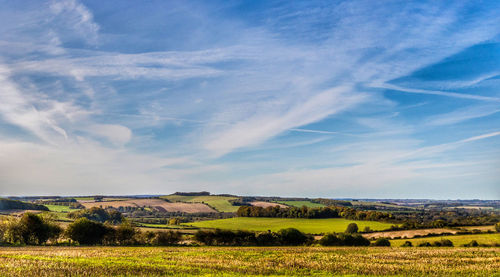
x,y
311,226
59,208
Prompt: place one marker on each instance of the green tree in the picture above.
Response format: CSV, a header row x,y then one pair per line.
x,y
382,242
352,228
85,231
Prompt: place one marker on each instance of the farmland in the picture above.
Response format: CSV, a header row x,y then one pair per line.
x,y
291,261
299,204
457,240
312,226
220,203
156,203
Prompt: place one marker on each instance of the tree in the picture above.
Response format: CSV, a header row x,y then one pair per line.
x,y
292,236
497,227
33,229
330,240
167,238
352,228
85,231
382,242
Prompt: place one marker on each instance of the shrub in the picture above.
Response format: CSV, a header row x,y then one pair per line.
x,y
125,234
382,242
85,231
424,244
407,244
166,238
443,242
473,243
292,236
31,229
497,227
352,228
330,240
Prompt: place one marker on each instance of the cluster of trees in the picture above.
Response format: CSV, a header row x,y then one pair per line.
x,y
98,214
332,202
196,193
32,229
344,239
8,204
305,212
290,236
70,202
88,232
439,219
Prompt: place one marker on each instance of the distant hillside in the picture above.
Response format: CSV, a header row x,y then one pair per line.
x,y
7,204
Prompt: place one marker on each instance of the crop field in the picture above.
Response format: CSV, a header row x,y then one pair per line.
x,y
155,203
266,204
247,261
299,204
458,240
311,226
220,203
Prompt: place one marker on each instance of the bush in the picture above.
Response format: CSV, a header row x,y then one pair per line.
x,y
497,227
382,242
292,236
31,229
473,243
166,238
443,242
407,244
330,240
352,228
125,234
98,214
424,244
87,232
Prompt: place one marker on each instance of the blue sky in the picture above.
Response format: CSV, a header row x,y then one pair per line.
x,y
374,99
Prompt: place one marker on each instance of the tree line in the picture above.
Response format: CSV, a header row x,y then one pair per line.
x,y
305,212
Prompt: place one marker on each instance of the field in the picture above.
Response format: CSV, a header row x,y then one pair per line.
x,y
311,226
457,240
299,204
155,203
59,208
220,203
410,233
266,204
245,261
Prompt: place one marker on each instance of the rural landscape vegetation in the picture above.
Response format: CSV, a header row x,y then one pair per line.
x,y
249,138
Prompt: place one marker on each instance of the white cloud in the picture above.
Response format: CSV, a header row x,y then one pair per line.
x,y
116,134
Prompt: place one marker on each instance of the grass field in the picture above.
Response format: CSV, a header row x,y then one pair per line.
x,y
299,204
220,203
159,204
457,240
311,226
247,261
59,208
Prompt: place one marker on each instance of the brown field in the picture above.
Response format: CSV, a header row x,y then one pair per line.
x,y
266,204
158,204
409,233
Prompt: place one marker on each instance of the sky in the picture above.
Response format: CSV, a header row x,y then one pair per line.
x,y
355,99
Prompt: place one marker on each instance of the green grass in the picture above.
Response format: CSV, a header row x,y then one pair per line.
x,y
59,208
220,203
311,226
299,204
247,261
458,240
